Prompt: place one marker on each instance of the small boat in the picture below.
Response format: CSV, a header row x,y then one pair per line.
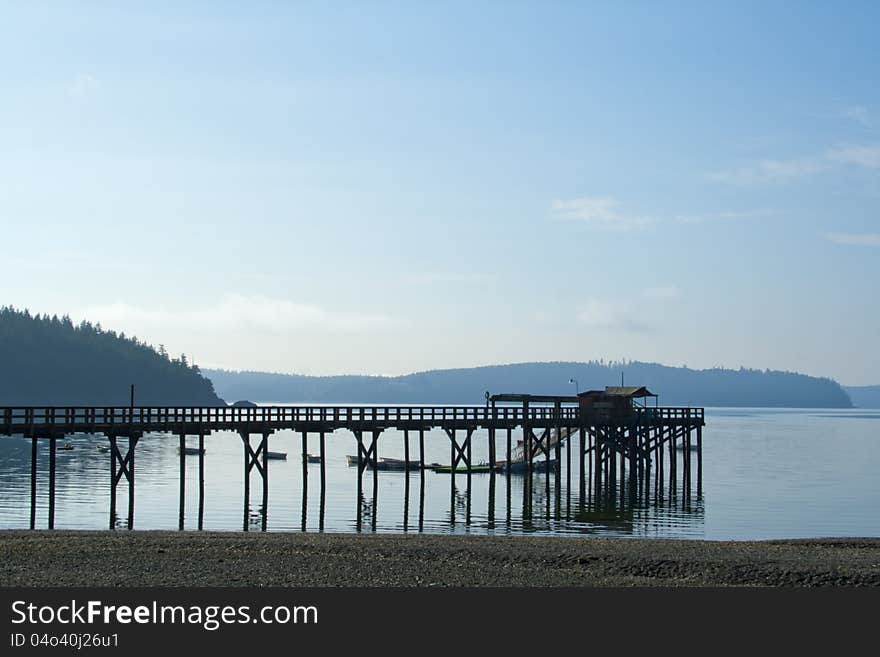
x,y
312,458
66,447
103,448
396,464
386,463
477,468
192,451
538,465
278,456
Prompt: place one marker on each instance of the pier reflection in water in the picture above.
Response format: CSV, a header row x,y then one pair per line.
x,y
768,474
300,496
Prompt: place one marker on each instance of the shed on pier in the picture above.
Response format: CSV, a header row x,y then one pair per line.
x,y
614,398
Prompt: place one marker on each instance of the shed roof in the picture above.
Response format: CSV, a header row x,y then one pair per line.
x,y
629,391
515,397
620,391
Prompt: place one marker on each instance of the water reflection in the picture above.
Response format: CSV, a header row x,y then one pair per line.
x,y
544,501
826,487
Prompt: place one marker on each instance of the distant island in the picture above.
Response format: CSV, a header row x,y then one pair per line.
x,y
675,385
52,361
864,396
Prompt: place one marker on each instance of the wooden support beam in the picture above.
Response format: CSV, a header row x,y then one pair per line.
x,y
201,480
114,450
508,478
366,457
375,449
406,500
52,448
323,483
568,442
687,466
182,480
546,446
558,450
699,462
422,480
132,444
470,432
374,510
582,470
422,452
459,452
246,442
490,516
632,439
360,476
264,449
620,453
528,454
492,449
597,457
33,481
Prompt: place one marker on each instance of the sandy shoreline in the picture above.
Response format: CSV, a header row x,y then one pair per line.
x,y
163,558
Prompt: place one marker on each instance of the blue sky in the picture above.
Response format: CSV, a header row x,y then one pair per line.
x,y
389,187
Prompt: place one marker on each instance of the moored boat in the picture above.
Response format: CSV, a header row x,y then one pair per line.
x,y
396,464
387,463
538,466
477,468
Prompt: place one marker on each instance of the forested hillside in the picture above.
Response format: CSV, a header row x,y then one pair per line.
x,y
49,360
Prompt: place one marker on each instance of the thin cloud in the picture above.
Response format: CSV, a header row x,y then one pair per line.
x,y
601,212
782,171
867,155
770,172
860,114
236,312
82,86
854,239
624,315
447,277
663,293
724,216
607,315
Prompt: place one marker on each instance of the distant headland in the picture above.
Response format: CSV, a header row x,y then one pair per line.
x,y
676,385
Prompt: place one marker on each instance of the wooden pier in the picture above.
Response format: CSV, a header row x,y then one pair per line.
x,y
624,456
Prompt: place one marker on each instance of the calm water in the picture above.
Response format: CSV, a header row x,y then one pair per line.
x,y
778,473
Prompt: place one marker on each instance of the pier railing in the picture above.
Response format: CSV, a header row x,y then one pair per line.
x,y
89,419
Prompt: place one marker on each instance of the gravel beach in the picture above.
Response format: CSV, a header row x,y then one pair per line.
x,y
161,558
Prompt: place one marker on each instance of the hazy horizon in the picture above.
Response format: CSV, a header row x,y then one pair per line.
x,y
391,188
469,367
